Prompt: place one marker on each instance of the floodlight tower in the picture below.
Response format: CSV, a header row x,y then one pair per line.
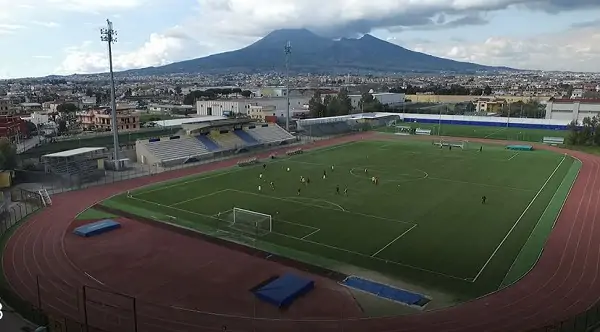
x,y
109,35
288,51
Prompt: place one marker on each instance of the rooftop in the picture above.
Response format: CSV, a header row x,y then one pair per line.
x,y
73,152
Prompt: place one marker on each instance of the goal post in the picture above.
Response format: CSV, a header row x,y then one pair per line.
x,y
462,144
252,222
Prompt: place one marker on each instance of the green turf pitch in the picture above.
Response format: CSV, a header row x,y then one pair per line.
x,y
424,222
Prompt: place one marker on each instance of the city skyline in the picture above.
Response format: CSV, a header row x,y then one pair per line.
x,y
62,37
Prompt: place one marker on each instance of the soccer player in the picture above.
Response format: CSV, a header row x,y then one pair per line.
x,y
259,188
307,180
332,168
337,189
480,148
298,191
483,199
288,169
324,173
272,185
346,191
450,147
376,180
366,171
264,166
260,176
302,179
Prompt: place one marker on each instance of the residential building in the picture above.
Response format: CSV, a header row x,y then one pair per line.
x,y
12,127
101,120
5,106
489,105
259,113
572,109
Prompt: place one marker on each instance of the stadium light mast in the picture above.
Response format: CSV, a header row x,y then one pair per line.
x,y
288,51
108,35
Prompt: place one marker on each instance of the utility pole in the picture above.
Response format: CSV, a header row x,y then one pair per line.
x,y
108,35
288,52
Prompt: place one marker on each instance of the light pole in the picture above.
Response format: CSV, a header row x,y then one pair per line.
x,y
288,51
108,35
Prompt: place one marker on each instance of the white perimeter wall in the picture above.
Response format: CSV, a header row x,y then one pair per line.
x,y
570,111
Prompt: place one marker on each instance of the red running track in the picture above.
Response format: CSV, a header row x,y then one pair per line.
x,y
563,283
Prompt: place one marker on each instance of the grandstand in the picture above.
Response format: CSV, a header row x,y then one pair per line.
x,y
205,139
78,165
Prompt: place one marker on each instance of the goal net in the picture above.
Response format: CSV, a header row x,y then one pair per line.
x,y
451,143
251,222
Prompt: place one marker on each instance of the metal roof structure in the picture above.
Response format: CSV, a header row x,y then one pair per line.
x,y
73,152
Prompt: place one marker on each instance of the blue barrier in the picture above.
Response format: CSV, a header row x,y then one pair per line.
x,y
520,147
284,290
96,228
386,291
491,124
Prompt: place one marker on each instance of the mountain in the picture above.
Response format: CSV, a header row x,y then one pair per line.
x,y
315,54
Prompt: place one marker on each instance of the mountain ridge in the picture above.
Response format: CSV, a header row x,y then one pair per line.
x,y
314,54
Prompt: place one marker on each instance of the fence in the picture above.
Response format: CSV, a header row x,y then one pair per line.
x,y
91,309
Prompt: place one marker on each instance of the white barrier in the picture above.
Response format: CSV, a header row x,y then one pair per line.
x,y
420,131
553,140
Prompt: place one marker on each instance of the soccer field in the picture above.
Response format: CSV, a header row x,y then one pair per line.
x,y
424,222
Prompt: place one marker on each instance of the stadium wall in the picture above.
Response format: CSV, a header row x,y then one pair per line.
x,y
143,155
489,121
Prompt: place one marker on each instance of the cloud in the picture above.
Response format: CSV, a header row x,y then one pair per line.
x,y
46,24
343,18
42,57
573,50
6,29
160,49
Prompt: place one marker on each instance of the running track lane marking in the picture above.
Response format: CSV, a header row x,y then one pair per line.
x,y
519,219
394,240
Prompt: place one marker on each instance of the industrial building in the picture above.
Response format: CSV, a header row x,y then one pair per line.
x,y
572,109
236,106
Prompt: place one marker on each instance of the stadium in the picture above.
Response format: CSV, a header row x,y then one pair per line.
x,y
366,222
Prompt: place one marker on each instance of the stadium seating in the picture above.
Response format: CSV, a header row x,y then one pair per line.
x,y
269,133
246,137
228,141
209,143
174,149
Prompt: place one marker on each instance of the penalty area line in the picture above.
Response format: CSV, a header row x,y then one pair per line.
x,y
394,240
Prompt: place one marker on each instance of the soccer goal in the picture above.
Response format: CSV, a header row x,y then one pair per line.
x,y
251,222
450,143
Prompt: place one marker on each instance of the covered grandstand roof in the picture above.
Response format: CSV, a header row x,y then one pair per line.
x,y
73,152
179,122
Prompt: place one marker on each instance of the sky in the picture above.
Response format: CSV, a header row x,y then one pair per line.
x,y
62,37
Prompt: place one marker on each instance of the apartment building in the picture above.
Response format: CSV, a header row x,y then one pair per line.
x,y
101,120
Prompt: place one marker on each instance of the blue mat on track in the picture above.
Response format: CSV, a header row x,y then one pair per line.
x,y
284,290
96,228
386,291
520,147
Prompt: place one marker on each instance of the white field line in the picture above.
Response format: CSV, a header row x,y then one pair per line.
x,y
308,235
199,177
479,184
537,224
370,257
323,207
199,197
511,157
317,199
313,242
494,132
216,215
394,240
518,220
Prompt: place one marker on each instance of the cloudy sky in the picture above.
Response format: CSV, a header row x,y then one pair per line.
x,y
42,37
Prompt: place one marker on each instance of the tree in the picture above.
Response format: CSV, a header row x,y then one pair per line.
x,y
345,103
67,108
62,126
487,90
178,90
369,104
246,93
31,127
316,106
8,154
